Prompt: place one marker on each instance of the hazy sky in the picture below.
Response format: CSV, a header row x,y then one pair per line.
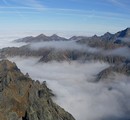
x,y
85,17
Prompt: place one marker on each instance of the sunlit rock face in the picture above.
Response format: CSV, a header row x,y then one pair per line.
x,y
22,98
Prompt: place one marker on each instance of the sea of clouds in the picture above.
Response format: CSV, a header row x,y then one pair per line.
x,y
71,83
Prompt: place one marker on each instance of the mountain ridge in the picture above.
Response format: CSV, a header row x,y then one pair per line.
x,y
22,98
106,36
41,38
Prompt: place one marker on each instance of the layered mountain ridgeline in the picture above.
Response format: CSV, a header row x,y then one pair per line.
x,y
41,38
117,63
106,41
107,50
51,54
22,98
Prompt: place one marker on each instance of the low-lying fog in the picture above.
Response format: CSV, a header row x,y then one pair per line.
x,y
6,40
123,51
63,45
71,82
85,100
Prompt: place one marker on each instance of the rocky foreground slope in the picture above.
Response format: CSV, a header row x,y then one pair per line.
x,y
22,98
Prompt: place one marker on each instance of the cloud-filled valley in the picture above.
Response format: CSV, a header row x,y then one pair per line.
x,y
74,81
64,60
71,82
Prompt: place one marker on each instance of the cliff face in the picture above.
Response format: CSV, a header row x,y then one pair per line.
x,y
21,98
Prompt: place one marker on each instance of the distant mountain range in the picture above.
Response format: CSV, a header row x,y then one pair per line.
x,y
108,40
107,37
20,96
107,43
41,38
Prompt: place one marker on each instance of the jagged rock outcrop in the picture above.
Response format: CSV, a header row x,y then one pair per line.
x,y
22,98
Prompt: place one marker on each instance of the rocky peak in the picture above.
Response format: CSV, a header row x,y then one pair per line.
x,y
22,98
124,33
107,34
127,29
55,37
76,38
41,36
127,32
95,36
6,65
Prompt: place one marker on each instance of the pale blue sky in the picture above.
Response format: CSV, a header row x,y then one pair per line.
x,y
76,16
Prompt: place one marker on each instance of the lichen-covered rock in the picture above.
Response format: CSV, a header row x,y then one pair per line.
x,y
21,98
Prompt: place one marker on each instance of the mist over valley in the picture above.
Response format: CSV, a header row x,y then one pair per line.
x,y
89,76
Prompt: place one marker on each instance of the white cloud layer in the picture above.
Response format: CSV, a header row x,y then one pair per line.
x,y
123,51
84,100
63,45
7,38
